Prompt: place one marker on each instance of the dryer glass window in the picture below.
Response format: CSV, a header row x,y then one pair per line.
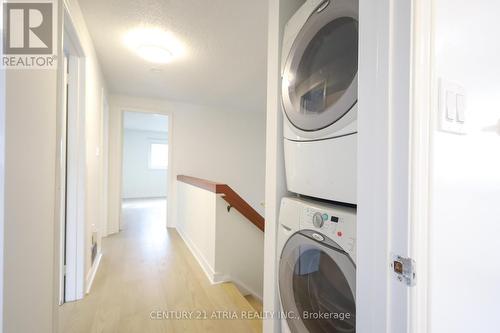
x,y
321,80
319,287
328,66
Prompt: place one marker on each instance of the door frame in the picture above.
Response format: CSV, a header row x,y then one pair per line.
x,y
170,170
393,162
423,117
105,161
71,235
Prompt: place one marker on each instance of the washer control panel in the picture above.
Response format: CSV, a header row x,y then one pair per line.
x,y
335,222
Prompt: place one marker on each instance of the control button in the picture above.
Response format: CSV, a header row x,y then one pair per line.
x,y
318,220
334,219
318,237
325,217
339,233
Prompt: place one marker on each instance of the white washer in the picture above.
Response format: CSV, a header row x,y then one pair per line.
x,y
317,267
319,95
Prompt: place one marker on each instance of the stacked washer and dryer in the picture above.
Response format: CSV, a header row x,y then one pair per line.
x,y
317,227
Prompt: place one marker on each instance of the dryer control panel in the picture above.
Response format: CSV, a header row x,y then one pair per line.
x,y
335,222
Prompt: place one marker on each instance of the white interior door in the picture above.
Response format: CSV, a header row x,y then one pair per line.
x,y
385,165
62,182
73,174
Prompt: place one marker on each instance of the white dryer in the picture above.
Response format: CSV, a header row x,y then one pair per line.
x,y
319,95
317,267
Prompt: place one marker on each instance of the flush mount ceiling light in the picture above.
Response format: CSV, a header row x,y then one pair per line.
x,y
154,45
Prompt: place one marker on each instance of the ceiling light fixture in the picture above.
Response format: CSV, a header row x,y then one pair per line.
x,y
154,45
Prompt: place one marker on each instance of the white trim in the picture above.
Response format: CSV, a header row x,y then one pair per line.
x,y
421,148
105,162
384,163
373,168
73,236
61,179
60,173
212,276
93,272
275,188
244,289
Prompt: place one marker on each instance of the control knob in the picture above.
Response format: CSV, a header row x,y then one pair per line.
x,y
318,220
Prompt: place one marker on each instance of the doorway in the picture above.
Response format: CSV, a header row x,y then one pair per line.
x,y
145,165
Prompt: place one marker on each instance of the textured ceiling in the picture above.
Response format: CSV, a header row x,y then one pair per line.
x,y
226,44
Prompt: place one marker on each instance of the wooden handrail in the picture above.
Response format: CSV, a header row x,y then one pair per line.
x,y
228,194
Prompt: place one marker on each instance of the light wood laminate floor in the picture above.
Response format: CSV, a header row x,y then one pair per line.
x,y
146,268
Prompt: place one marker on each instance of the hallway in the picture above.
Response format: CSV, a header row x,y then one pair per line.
x,y
145,268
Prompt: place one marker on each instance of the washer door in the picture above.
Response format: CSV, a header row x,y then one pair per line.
x,y
319,83
317,286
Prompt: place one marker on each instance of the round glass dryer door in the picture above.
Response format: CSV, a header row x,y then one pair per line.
x,y
317,287
319,83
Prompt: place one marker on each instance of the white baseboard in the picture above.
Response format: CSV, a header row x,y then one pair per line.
x,y
221,278
242,287
205,265
145,198
92,272
245,290
215,277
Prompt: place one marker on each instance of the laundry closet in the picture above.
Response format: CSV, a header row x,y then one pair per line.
x,y
316,251
318,152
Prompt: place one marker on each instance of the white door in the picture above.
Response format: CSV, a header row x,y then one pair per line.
x,y
72,175
63,181
388,166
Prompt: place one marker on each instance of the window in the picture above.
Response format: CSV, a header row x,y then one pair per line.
x,y
158,156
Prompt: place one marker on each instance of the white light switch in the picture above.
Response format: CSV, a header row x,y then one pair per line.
x,y
460,104
452,108
451,105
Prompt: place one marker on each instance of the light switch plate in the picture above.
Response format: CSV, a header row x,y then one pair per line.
x,y
452,107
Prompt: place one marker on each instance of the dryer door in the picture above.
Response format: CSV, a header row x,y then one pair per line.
x,y
319,83
317,286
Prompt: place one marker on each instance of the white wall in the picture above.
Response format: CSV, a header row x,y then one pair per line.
x,y
30,157
2,170
280,12
30,161
239,251
226,146
139,180
223,146
196,223
465,219
227,246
